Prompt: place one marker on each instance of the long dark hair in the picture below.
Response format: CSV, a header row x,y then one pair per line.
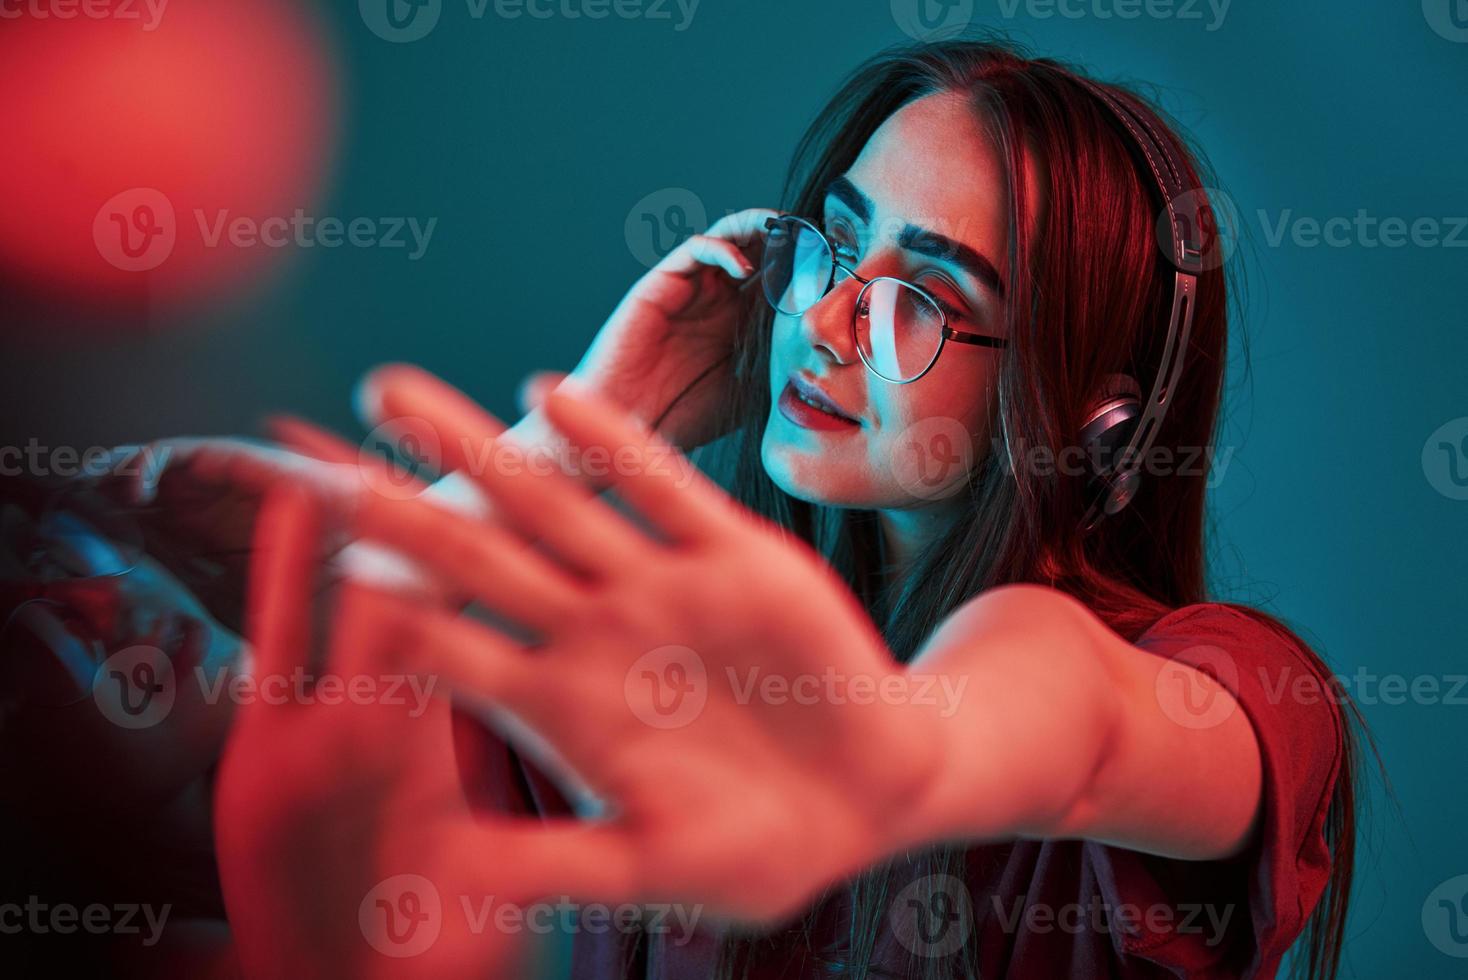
x,y
1088,301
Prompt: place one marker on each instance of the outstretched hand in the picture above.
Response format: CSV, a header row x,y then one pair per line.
x,y
708,679
345,844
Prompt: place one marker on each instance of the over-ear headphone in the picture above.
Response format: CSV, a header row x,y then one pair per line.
x,y
1108,425
1118,429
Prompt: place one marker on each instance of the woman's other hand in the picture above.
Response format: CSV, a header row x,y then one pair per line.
x,y
346,846
675,328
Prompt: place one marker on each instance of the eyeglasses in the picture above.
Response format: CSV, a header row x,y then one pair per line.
x,y
899,328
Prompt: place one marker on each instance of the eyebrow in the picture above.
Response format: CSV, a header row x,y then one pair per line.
x,y
922,241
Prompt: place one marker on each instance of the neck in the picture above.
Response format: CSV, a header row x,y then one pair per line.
x,y
905,533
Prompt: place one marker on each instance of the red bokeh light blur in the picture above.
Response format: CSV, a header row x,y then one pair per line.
x,y
113,122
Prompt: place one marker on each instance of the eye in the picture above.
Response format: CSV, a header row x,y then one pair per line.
x,y
842,239
948,296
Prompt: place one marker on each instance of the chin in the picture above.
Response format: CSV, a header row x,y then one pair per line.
x,y
811,477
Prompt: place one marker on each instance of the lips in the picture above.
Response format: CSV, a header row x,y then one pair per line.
x,y
823,415
812,392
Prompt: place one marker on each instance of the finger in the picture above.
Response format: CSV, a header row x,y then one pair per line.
x,y
529,859
656,479
533,389
241,463
559,723
282,576
744,228
530,491
377,473
311,440
380,632
474,558
131,474
703,250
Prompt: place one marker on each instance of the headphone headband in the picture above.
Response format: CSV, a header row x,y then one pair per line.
x,y
1183,204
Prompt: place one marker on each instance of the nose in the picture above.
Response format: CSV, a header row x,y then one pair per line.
x,y
827,325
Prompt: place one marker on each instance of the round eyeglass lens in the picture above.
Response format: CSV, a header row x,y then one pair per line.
x,y
797,266
898,329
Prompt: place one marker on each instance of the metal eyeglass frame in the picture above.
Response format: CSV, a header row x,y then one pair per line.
x,y
946,333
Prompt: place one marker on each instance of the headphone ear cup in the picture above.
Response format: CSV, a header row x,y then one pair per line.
x,y
1109,425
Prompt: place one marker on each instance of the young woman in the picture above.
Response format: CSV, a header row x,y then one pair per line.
x,y
926,715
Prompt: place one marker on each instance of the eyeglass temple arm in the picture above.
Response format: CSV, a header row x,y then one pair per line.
x,y
977,339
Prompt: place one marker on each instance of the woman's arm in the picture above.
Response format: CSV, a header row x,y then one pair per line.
x,y
800,750
1066,730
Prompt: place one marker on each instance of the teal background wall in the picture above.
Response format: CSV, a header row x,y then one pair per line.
x,y
533,142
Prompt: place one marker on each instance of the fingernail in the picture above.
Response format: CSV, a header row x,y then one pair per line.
x,y
535,386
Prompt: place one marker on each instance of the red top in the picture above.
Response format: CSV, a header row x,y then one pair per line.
x,y
1066,908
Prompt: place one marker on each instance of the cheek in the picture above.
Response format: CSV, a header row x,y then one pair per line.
x,y
957,392
935,430
783,331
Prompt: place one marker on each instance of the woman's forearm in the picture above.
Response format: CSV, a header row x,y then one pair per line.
x,y
1063,733
1035,721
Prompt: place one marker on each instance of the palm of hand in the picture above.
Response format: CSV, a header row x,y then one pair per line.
x,y
340,823
686,677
